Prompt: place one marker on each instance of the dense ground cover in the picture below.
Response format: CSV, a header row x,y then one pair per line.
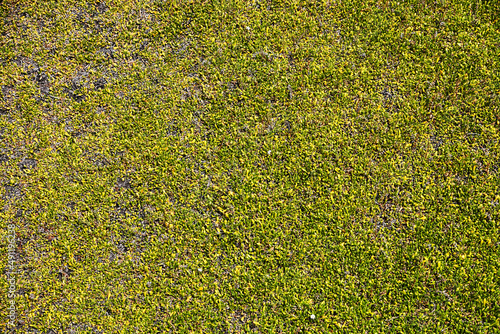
x,y
251,166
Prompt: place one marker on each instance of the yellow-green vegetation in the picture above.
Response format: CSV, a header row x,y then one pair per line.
x,y
251,166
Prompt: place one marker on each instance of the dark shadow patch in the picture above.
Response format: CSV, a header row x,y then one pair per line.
x,y
112,256
98,28
102,7
232,85
64,272
237,321
79,80
108,311
143,45
81,20
42,79
172,129
382,222
12,192
122,248
6,90
119,211
73,94
182,51
387,94
108,52
77,133
100,161
436,142
18,61
26,164
123,183
100,83
4,158
287,125
263,56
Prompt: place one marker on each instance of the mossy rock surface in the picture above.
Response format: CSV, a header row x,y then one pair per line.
x,y
250,166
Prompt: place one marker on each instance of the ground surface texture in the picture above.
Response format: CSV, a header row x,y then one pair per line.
x,y
251,166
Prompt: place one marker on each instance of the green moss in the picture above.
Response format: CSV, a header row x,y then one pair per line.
x,y
240,166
